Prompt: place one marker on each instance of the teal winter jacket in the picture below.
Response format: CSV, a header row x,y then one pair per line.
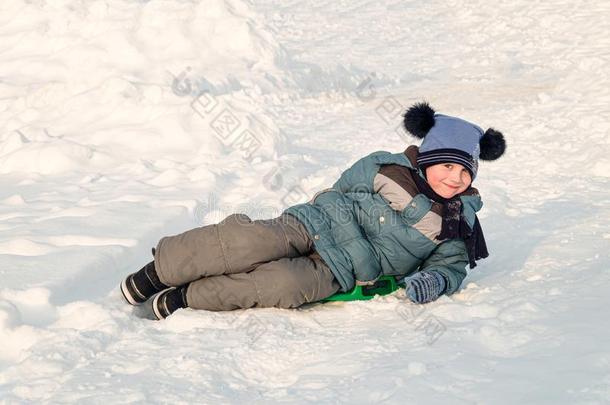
x,y
374,222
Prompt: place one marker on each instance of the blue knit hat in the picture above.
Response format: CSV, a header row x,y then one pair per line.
x,y
449,139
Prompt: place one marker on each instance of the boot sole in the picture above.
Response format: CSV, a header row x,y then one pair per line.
x,y
155,306
128,297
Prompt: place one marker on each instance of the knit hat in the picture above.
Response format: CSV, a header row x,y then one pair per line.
x,y
451,139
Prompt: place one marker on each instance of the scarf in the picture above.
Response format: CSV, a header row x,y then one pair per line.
x,y
454,224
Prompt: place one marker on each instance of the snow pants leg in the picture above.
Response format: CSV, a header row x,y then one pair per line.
x,y
283,283
240,263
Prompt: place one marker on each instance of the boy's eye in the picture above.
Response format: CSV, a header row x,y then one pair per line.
x,y
449,166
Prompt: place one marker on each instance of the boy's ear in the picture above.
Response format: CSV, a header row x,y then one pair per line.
x,y
419,119
492,145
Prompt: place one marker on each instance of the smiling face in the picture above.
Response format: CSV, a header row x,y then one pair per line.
x,y
448,179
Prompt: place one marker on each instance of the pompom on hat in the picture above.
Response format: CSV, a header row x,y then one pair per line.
x,y
451,139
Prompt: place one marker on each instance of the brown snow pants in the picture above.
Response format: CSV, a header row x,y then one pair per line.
x,y
240,263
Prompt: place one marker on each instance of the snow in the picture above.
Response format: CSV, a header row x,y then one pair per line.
x,y
105,146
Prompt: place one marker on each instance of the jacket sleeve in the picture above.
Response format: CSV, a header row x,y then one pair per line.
x,y
449,259
359,177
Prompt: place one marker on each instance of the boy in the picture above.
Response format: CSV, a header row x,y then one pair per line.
x,y
410,215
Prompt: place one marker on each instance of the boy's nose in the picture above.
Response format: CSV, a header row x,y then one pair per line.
x,y
454,176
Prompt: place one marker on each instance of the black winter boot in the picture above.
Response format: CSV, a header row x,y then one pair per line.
x,y
167,302
141,285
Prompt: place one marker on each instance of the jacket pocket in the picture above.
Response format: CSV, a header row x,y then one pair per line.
x,y
416,209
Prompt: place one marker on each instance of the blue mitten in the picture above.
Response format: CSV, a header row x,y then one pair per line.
x,y
425,286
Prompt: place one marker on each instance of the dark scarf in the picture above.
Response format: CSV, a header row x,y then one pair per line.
x,y
454,224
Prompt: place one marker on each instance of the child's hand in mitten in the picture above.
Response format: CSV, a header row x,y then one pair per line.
x,y
425,286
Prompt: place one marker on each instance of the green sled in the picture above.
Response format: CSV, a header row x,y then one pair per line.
x,y
383,286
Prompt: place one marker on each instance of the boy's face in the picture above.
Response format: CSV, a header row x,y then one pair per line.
x,y
448,179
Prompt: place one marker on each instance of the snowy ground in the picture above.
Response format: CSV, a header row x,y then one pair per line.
x,y
105,148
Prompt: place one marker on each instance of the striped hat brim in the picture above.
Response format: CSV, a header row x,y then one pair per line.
x,y
438,156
